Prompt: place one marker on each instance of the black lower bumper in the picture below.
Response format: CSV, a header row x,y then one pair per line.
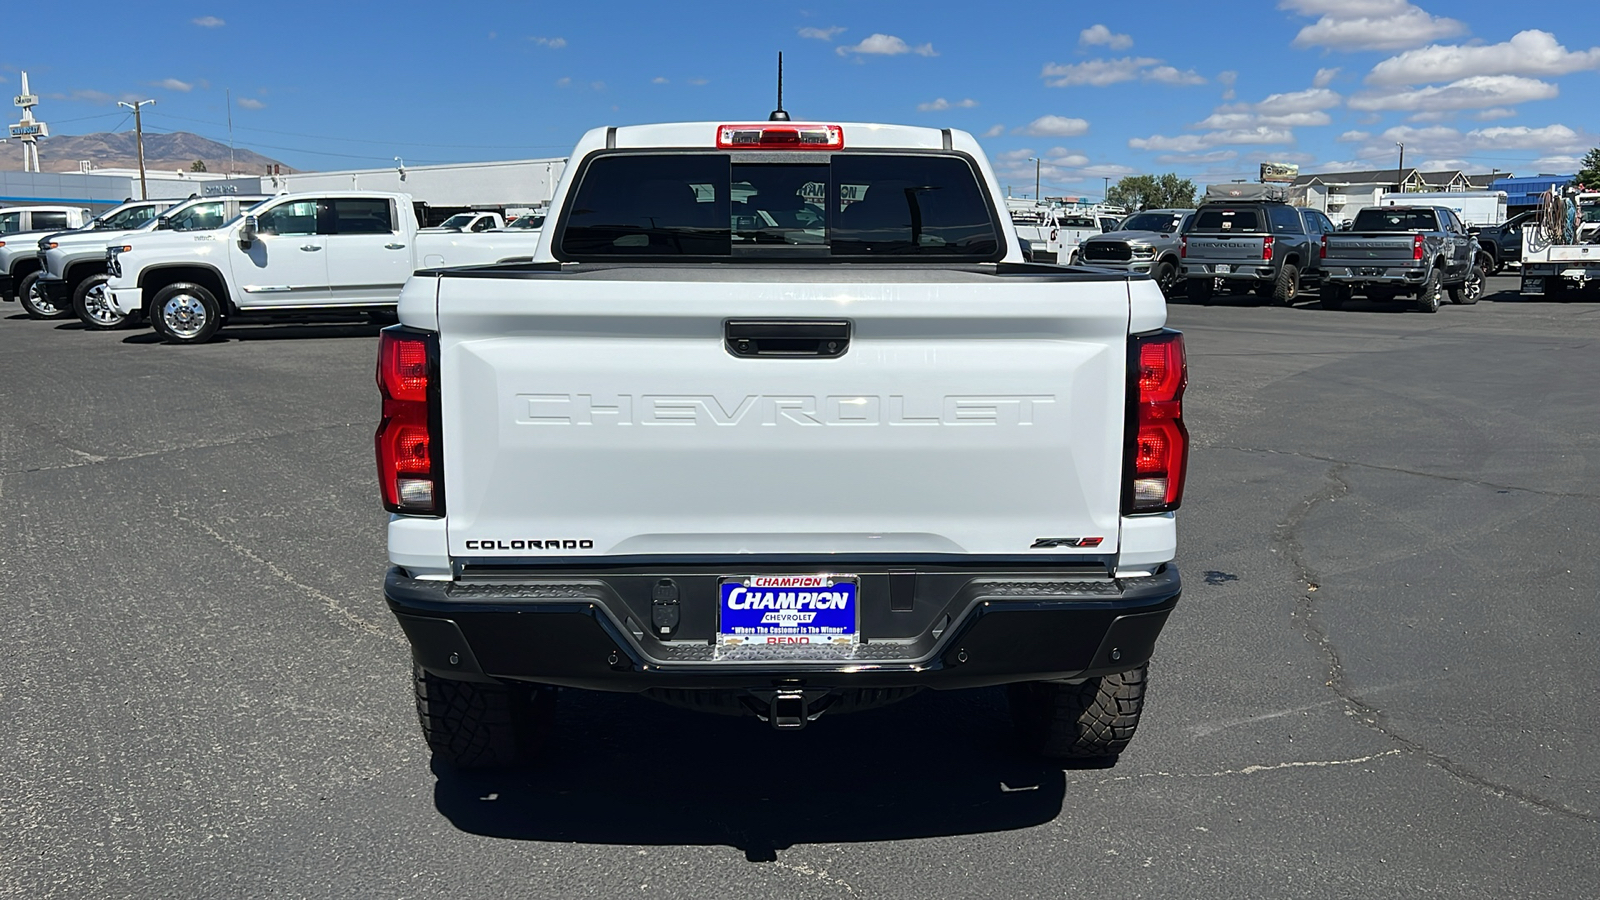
x,y
944,628
56,292
5,286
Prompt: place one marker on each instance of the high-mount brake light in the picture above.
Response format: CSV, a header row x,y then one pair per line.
x,y
767,136
1266,247
1416,246
1158,443
410,473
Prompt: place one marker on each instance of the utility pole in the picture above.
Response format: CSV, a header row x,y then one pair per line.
x,y
1400,172
229,98
1036,165
1106,189
138,129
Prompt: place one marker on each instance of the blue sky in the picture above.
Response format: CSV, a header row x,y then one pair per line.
x,y
1205,89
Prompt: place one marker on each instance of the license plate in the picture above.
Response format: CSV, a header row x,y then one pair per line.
x,y
1224,270
1372,272
797,612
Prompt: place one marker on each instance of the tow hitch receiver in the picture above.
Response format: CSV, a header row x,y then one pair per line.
x,y
788,709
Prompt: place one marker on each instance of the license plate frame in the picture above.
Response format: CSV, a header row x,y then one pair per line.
x,y
1224,269
795,615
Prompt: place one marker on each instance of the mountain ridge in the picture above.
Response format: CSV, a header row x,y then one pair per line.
x,y
119,150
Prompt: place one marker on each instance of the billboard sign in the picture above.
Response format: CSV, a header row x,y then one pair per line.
x,y
1279,173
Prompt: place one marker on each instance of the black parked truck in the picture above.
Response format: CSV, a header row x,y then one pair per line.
x,y
1245,237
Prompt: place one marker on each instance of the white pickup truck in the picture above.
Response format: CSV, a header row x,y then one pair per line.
x,y
19,249
341,251
17,219
777,422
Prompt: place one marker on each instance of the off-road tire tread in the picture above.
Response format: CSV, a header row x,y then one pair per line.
x,y
475,725
1095,719
1428,299
1286,289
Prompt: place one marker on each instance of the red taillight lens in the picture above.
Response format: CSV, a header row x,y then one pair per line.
x,y
1158,442
407,443
1416,246
1183,247
1266,247
780,137
1322,252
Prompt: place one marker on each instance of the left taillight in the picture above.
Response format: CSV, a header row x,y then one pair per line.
x,y
410,470
1157,454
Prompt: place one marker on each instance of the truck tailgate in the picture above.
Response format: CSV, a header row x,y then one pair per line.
x,y
602,411
1216,246
1358,247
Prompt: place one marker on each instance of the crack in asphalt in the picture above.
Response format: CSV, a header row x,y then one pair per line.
x,y
90,459
1257,769
1369,714
1346,463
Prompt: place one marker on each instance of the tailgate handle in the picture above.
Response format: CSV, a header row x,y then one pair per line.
x,y
824,338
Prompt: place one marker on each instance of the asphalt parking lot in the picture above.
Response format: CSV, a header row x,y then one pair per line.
x,y
1381,680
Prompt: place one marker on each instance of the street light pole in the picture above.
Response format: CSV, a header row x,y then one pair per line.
x,y
1035,162
138,130
1400,172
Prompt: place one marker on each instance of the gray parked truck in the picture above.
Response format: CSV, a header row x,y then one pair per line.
x,y
1145,242
1390,251
1255,242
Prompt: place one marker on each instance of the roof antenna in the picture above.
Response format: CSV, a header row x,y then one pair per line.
x,y
778,115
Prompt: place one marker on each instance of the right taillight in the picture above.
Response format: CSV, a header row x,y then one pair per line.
x,y
1183,247
410,472
1266,247
1323,252
1158,443
1416,246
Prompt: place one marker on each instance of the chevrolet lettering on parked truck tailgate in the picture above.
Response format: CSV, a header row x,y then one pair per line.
x,y
794,409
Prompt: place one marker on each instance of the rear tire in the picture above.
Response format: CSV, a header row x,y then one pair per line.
x,y
185,313
479,725
1334,296
1429,296
1201,290
93,308
1092,720
1286,289
1468,292
34,300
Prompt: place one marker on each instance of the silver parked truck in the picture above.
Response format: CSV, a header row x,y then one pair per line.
x,y
778,422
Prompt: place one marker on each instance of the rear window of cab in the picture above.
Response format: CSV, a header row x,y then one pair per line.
x,y
1229,220
726,206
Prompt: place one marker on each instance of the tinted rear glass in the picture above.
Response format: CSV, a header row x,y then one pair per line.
x,y
48,221
1165,223
10,222
1230,220
859,206
1391,219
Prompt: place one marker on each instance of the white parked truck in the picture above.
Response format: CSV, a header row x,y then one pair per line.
x,y
340,251
1561,246
17,219
778,421
20,266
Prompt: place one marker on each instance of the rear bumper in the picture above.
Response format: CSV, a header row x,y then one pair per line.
x,y
943,629
1237,271
1340,273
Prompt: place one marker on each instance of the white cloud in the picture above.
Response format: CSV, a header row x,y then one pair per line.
x,y
697,82
1443,142
1355,136
1299,101
1351,165
942,104
1324,77
251,103
659,79
1197,159
995,131
1228,79
173,84
1055,126
1558,164
1369,24
1296,108
1099,34
1194,143
1443,165
1103,72
554,43
563,82
1533,53
1246,120
1476,92
821,34
209,22
1488,115
1014,155
885,45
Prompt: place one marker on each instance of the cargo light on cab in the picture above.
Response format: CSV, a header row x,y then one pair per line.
x,y
780,137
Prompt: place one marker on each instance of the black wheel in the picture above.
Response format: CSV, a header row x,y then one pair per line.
x,y
1076,721
1166,275
478,725
185,313
1201,290
1287,288
1494,265
1468,292
35,301
93,307
1431,295
1334,296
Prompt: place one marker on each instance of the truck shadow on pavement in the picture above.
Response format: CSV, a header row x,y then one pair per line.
x,y
625,770
280,331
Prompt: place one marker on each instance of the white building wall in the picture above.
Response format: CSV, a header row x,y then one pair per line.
x,y
525,182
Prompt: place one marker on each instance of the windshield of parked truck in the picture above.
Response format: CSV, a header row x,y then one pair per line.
x,y
459,220
129,218
527,222
10,222
1229,220
1388,218
1165,223
716,206
197,217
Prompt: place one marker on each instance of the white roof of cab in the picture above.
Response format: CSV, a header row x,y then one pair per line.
x,y
857,135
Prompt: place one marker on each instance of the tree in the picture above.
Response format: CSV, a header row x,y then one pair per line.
x,y
1140,192
198,165
1589,173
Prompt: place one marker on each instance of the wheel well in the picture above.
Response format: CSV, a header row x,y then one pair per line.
x,y
154,280
80,271
23,265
